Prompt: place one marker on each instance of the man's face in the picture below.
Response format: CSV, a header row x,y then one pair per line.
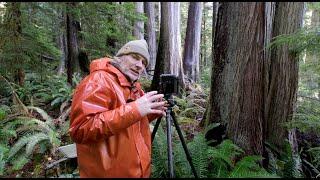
x,y
132,65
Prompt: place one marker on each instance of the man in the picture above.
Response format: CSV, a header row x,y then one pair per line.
x,y
110,116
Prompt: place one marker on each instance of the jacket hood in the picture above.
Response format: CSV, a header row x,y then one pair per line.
x,y
99,64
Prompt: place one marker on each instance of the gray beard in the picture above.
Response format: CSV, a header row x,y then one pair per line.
x,y
116,65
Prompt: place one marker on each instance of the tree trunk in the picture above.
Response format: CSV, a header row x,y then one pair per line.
x,y
215,7
283,74
62,44
150,33
168,51
192,42
138,25
236,88
203,48
73,27
178,57
13,26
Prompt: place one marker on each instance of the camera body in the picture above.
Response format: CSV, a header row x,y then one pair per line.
x,y
169,84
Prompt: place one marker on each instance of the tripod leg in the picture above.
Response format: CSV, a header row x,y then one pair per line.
x,y
183,144
155,129
169,144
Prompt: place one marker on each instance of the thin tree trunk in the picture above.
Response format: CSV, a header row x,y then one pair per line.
x,y
192,42
138,25
62,44
150,33
168,51
72,42
203,49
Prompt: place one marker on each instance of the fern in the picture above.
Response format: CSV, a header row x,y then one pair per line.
x,y
159,155
198,150
315,153
19,162
43,114
248,167
34,140
3,157
18,146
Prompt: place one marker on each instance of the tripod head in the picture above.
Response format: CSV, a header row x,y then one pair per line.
x,y
168,86
169,99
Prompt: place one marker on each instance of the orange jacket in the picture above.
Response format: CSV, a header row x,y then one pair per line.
x,y
112,138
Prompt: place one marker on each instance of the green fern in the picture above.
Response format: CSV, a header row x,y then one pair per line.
x,y
19,162
315,153
248,167
18,146
198,150
34,140
3,157
159,154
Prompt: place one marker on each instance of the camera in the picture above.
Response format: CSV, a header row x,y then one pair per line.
x,y
169,84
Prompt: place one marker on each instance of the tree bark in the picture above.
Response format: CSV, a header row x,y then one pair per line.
x,y
13,26
73,27
192,42
62,43
236,89
138,25
150,33
168,51
283,73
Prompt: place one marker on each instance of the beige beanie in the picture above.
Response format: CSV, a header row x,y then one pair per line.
x,y
136,46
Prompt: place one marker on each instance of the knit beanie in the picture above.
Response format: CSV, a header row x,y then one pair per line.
x,y
135,46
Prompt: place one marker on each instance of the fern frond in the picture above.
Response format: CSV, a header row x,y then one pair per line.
x,y
43,113
159,154
249,167
199,153
42,125
225,151
34,140
19,162
18,146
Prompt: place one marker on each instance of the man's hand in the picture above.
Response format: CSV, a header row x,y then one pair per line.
x,y
151,103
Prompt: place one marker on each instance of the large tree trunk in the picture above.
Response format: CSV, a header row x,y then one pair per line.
x,y
150,33
13,26
192,42
73,27
236,87
168,51
138,25
283,74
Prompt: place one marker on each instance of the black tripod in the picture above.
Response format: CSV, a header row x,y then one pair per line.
x,y
170,116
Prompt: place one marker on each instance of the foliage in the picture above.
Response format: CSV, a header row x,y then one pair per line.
x,y
205,79
283,162
32,132
305,39
315,153
105,23
35,131
23,49
54,90
212,162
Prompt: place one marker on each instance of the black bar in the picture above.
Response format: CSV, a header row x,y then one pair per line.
x,y
184,144
169,143
155,129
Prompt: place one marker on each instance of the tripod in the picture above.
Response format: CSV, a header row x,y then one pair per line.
x,y
170,116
